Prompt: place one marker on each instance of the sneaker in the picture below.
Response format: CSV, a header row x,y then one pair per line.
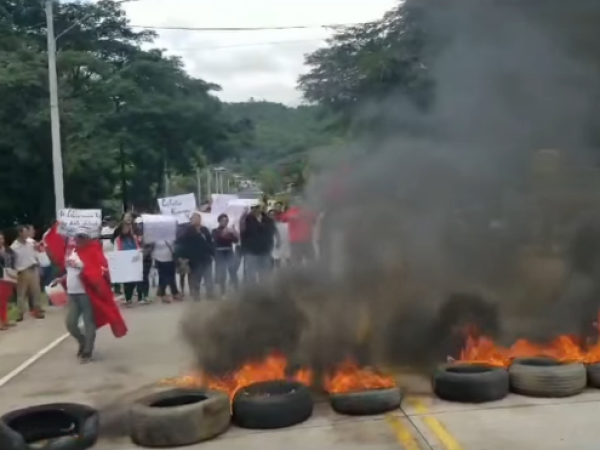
x,y
84,359
144,301
38,314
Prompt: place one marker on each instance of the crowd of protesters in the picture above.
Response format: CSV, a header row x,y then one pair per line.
x,y
198,256
213,258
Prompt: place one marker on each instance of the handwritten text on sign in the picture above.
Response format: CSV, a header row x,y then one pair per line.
x,y
180,206
71,220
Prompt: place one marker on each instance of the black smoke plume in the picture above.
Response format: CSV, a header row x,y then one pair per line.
x,y
442,226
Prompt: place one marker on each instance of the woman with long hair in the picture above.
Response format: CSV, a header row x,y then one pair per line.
x,y
127,240
224,238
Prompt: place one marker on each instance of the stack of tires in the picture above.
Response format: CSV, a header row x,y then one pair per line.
x,y
533,377
168,418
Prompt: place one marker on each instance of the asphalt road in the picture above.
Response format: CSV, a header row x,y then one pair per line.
x,y
152,351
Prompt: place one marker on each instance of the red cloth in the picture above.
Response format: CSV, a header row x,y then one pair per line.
x,y
95,279
6,290
300,223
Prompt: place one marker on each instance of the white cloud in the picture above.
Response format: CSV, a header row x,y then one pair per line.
x,y
259,64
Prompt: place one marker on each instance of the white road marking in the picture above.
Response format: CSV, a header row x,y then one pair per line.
x,y
5,379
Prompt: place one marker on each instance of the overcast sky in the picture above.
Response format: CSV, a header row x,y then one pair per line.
x,y
260,64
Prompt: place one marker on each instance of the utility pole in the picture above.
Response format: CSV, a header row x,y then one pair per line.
x,y
199,185
208,183
167,179
57,165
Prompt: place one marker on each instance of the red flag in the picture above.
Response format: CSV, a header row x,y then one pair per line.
x,y
95,279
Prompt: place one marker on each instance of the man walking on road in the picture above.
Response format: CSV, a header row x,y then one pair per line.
x,y
28,276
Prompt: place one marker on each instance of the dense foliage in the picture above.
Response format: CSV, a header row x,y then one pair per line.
x,y
127,114
283,139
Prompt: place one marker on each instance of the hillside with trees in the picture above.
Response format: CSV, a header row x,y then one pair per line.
x,y
283,138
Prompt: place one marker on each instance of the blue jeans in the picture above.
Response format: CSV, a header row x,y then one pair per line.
x,y
257,268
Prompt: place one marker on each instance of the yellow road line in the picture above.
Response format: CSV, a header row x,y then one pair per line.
x,y
441,433
403,432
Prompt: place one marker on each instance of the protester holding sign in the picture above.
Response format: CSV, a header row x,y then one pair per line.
x,y
127,240
224,238
197,248
88,284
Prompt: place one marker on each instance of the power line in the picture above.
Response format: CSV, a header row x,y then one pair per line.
x,y
292,27
256,44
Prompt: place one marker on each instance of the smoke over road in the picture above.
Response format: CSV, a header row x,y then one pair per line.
x,y
447,211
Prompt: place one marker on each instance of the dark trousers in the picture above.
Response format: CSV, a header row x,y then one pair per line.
x,y
166,278
198,272
225,263
257,267
302,252
129,289
144,286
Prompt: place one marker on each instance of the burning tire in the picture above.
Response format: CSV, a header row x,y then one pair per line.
x,y
272,404
545,377
62,426
363,403
593,375
470,383
179,417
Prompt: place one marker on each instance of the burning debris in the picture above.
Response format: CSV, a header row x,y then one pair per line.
x,y
347,377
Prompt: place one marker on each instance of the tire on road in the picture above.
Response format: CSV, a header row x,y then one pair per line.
x,y
546,377
179,417
470,383
593,375
364,403
63,426
272,404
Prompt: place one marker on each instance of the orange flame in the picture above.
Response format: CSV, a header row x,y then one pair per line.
x,y
349,377
273,367
564,348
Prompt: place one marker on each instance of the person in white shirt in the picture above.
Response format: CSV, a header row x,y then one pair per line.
x,y
162,253
28,276
80,305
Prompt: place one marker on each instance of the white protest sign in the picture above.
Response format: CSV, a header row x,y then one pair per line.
x,y
71,220
159,228
125,266
209,220
179,206
219,202
237,208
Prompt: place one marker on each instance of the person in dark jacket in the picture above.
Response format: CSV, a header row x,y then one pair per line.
x,y
196,246
258,234
224,239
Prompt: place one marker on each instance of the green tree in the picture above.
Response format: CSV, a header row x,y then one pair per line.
x,y
126,113
370,68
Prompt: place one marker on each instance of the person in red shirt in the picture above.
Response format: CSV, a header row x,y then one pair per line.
x,y
301,224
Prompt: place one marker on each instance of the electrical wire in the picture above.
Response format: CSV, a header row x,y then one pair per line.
x,y
292,27
201,48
